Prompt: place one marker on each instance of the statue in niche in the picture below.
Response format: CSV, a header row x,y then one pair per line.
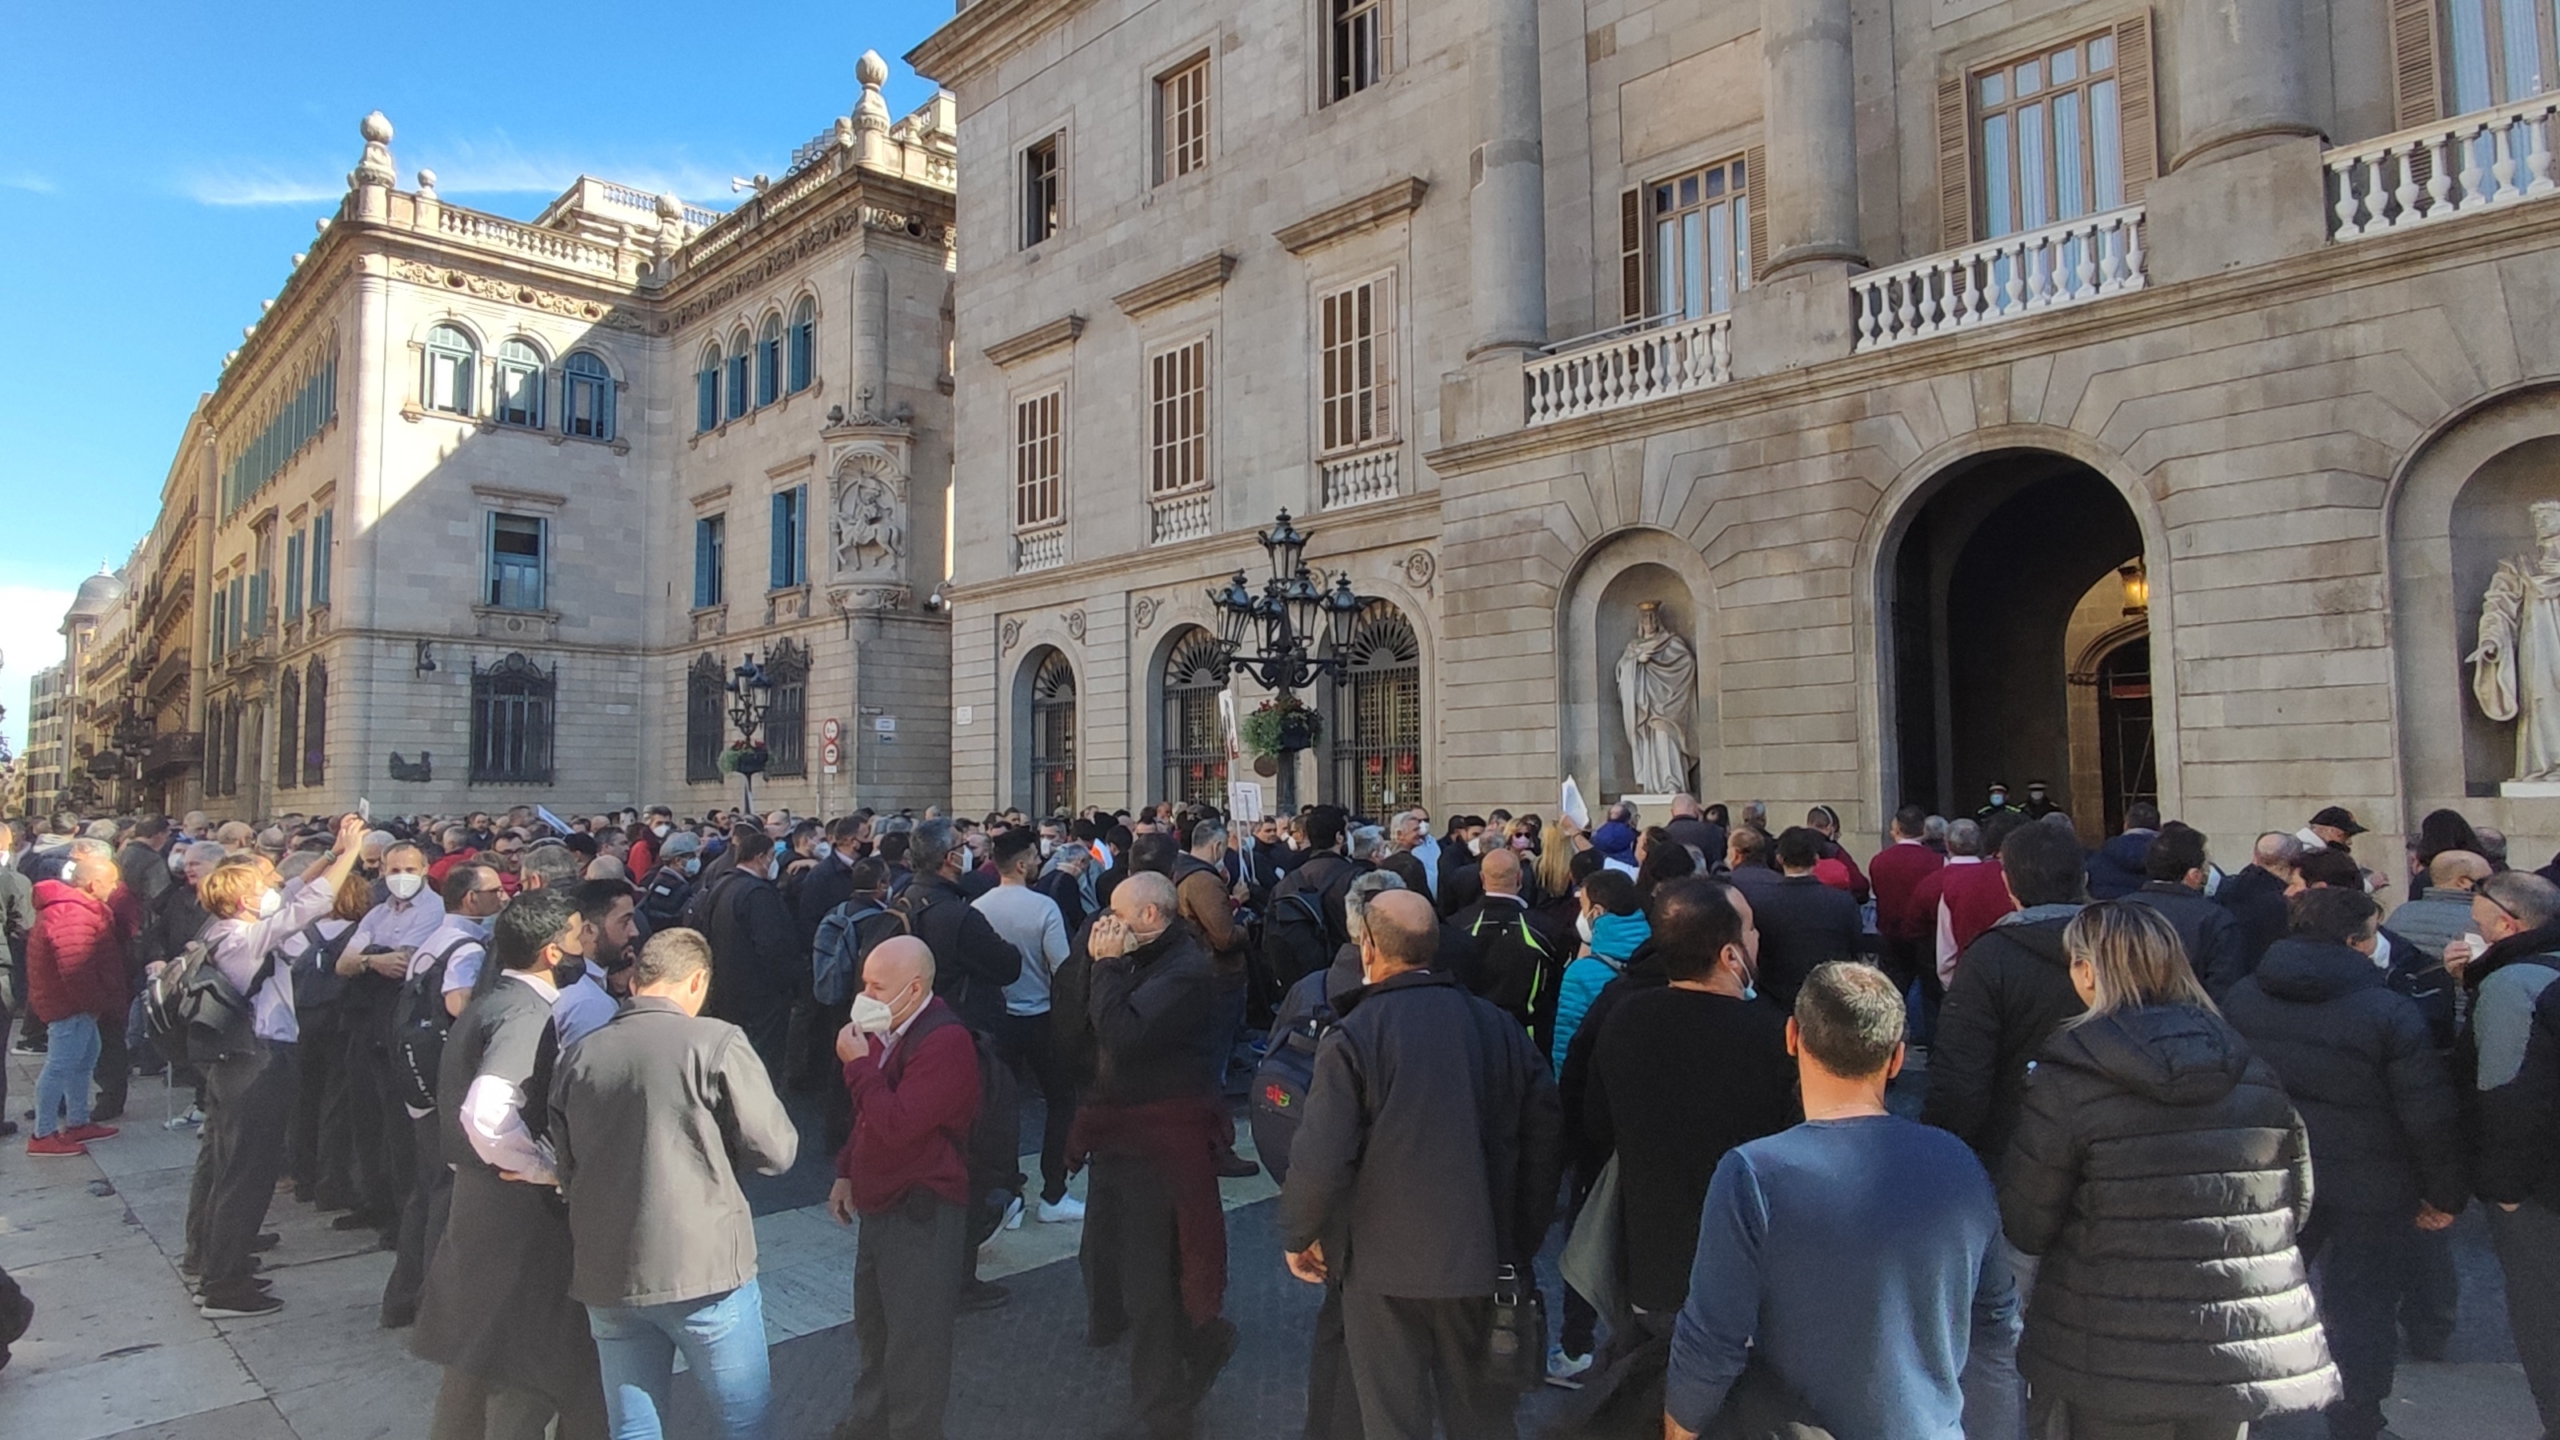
x,y
868,537
1657,689
2516,668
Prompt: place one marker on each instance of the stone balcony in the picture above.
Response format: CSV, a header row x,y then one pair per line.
x,y
1357,477
2471,163
2071,263
1628,365
1042,549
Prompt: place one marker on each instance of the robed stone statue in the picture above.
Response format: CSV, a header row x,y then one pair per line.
x,y
2516,668
1657,688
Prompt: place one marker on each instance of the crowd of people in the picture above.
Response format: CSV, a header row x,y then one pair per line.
x,y
2188,1139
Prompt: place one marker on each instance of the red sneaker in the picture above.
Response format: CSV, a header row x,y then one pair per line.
x,y
57,1143
84,1134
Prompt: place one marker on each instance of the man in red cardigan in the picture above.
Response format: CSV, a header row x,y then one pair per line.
x,y
75,984
912,1069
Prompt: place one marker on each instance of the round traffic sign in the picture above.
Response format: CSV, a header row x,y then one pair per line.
x,y
831,729
832,753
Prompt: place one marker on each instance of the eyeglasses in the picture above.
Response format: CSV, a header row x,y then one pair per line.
x,y
2502,909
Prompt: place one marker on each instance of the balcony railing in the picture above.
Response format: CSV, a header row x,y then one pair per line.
x,y
1178,517
2470,163
1629,365
1358,478
557,247
1040,549
2067,264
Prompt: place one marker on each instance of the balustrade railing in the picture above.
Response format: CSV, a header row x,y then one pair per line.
x,y
1628,366
556,246
2067,264
1040,549
2459,166
1178,517
1359,478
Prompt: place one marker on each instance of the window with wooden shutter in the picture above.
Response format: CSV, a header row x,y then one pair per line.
x,y
2060,132
1755,223
2137,112
2417,87
1631,304
1702,237
1955,165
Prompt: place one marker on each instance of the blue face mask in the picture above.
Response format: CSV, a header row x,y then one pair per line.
x,y
824,850
692,864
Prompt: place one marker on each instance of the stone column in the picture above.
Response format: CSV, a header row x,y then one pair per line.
x,y
1809,127
2242,183
871,113
1507,220
2236,71
870,341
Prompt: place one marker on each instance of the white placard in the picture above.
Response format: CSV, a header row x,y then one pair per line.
x,y
965,715
1244,801
1572,806
885,725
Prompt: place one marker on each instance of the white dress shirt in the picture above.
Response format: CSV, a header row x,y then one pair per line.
x,y
493,1111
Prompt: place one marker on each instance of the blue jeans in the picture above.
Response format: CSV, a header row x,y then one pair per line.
x,y
722,1338
62,1087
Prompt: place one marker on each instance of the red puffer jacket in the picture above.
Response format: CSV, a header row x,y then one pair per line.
x,y
76,955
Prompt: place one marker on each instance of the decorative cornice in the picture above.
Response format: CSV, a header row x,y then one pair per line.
x,y
1061,331
1351,217
1181,284
510,292
778,258
981,35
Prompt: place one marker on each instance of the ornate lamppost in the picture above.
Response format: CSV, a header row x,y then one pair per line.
x,y
750,693
1285,623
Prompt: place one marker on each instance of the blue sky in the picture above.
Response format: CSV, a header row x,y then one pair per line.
x,y
161,162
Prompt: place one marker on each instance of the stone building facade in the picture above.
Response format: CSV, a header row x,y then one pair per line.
x,y
487,512
42,762
2142,399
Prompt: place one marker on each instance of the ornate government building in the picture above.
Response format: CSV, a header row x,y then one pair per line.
x,y
2150,400
486,511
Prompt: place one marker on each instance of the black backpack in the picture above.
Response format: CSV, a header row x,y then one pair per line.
x,y
419,1024
1295,939
195,1015
844,941
1280,1082
317,985
994,1148
662,902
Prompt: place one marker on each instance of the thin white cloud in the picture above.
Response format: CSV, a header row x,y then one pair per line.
x,y
490,166
260,185
29,181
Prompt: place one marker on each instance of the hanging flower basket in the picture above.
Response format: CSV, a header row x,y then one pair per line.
x,y
1275,727
746,759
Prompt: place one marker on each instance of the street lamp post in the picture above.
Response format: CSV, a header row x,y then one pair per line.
x,y
1285,623
750,693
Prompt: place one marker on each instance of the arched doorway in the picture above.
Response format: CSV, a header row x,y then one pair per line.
x,y
2009,560
1376,726
1191,737
1048,713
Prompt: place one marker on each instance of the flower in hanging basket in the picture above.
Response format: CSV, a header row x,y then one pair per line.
x,y
744,759
1276,727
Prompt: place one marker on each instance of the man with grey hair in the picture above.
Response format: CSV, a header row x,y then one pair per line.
x,y
1370,845
550,865
972,962
1406,831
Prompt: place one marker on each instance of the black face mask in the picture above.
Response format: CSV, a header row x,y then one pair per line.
x,y
568,971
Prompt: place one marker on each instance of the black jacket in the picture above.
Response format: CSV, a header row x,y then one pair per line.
x,y
1511,960
2114,869
757,961
2163,1177
1326,877
176,919
1153,1012
2255,899
828,884
1802,923
2361,1067
2508,1066
2011,990
1573,1083
2216,949
1429,1145
18,912
971,962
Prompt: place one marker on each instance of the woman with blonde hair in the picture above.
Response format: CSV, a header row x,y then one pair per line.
x,y
2156,1187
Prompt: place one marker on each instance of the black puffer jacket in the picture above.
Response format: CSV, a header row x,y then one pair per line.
x,y
2357,1058
2012,988
2163,1176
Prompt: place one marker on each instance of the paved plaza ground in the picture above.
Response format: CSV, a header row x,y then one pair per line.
x,y
118,1350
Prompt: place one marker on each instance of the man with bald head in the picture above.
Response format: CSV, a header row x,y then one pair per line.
x,y
1426,1162
1516,961
912,1070
1155,1240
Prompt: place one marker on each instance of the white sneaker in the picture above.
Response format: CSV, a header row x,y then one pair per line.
x,y
1013,1213
1067,1211
1565,1371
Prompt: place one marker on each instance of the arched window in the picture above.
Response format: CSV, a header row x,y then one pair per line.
x,y
1377,719
804,345
315,724
1053,736
769,361
520,384
288,728
586,397
1194,739
786,715
703,719
739,349
511,710
706,392
452,362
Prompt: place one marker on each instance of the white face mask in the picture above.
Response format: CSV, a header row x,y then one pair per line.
x,y
177,863
1582,927
660,830
404,887
269,902
872,1016
773,867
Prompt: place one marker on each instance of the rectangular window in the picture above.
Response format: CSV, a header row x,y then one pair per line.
x,y
449,381
2052,138
515,561
1182,121
293,576
1178,419
1036,448
2502,51
1701,240
710,547
519,393
511,721
1355,358
1040,190
790,537
1359,46
221,618
738,383
706,398
323,533
239,611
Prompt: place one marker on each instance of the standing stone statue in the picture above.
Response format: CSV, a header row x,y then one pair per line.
x,y
2516,669
1657,687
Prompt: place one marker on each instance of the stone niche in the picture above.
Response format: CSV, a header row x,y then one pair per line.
x,y
2491,522
1598,617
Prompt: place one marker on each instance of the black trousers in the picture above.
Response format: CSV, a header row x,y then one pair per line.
x,y
13,980
1412,1357
1029,1043
323,1047
2434,1297
248,1104
1333,1402
2528,1242
421,1221
114,1073
906,1296
377,1136
2365,1262
1133,1276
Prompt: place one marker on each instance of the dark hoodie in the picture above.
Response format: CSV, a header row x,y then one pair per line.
x,y
2361,1066
2011,989
2163,1177
2115,870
